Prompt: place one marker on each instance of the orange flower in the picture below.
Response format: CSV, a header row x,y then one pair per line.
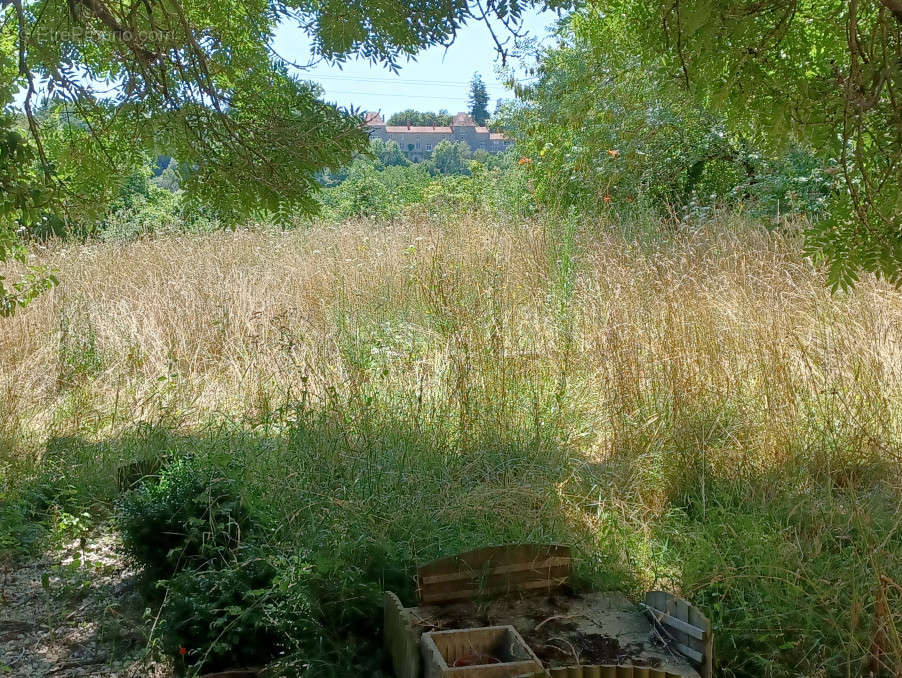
x,y
614,153
607,199
182,650
524,160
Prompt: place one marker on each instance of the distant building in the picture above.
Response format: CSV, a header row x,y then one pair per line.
x,y
417,142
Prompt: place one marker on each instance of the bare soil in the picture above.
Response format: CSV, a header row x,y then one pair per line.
x,y
74,611
566,628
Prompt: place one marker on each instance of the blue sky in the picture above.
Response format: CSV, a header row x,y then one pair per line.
x,y
438,78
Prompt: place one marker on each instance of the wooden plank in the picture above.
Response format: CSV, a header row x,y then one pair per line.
x,y
693,654
603,671
511,582
490,578
400,638
681,612
509,553
546,564
707,645
493,556
684,623
462,594
492,570
678,624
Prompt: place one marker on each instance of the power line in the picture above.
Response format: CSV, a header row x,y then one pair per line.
x,y
396,95
401,81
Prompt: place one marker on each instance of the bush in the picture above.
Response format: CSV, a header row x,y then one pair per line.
x,y
187,516
214,616
32,511
599,130
261,606
231,598
795,183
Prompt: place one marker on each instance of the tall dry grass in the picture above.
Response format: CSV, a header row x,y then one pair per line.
x,y
730,426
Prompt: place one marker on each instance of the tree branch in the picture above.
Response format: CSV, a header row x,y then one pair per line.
x,y
25,71
894,6
105,16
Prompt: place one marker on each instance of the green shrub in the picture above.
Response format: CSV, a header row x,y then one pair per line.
x,y
38,502
160,211
327,608
19,531
797,182
231,599
187,516
214,617
259,606
80,358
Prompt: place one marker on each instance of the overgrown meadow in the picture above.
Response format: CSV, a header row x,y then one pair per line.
x,y
686,404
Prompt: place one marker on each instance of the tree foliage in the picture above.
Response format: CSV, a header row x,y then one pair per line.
x,y
387,153
478,100
596,132
420,118
828,73
451,157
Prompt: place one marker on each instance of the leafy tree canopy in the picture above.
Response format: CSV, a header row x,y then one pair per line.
x,y
828,73
451,157
420,118
479,100
388,153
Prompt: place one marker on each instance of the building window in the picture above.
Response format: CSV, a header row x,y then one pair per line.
x,y
418,146
428,147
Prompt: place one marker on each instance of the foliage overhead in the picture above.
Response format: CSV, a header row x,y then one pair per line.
x,y
479,100
21,192
828,73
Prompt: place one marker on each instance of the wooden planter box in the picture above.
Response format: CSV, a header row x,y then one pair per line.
x,y
441,650
524,588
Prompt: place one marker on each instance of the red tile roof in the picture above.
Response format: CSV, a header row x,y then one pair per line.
x,y
460,120
401,129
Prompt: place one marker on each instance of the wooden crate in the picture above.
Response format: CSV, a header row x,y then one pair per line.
x,y
441,649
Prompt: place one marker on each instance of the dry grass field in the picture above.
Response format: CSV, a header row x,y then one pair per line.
x,y
694,410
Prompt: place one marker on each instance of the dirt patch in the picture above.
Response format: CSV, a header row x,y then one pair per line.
x,y
74,611
565,628
559,642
